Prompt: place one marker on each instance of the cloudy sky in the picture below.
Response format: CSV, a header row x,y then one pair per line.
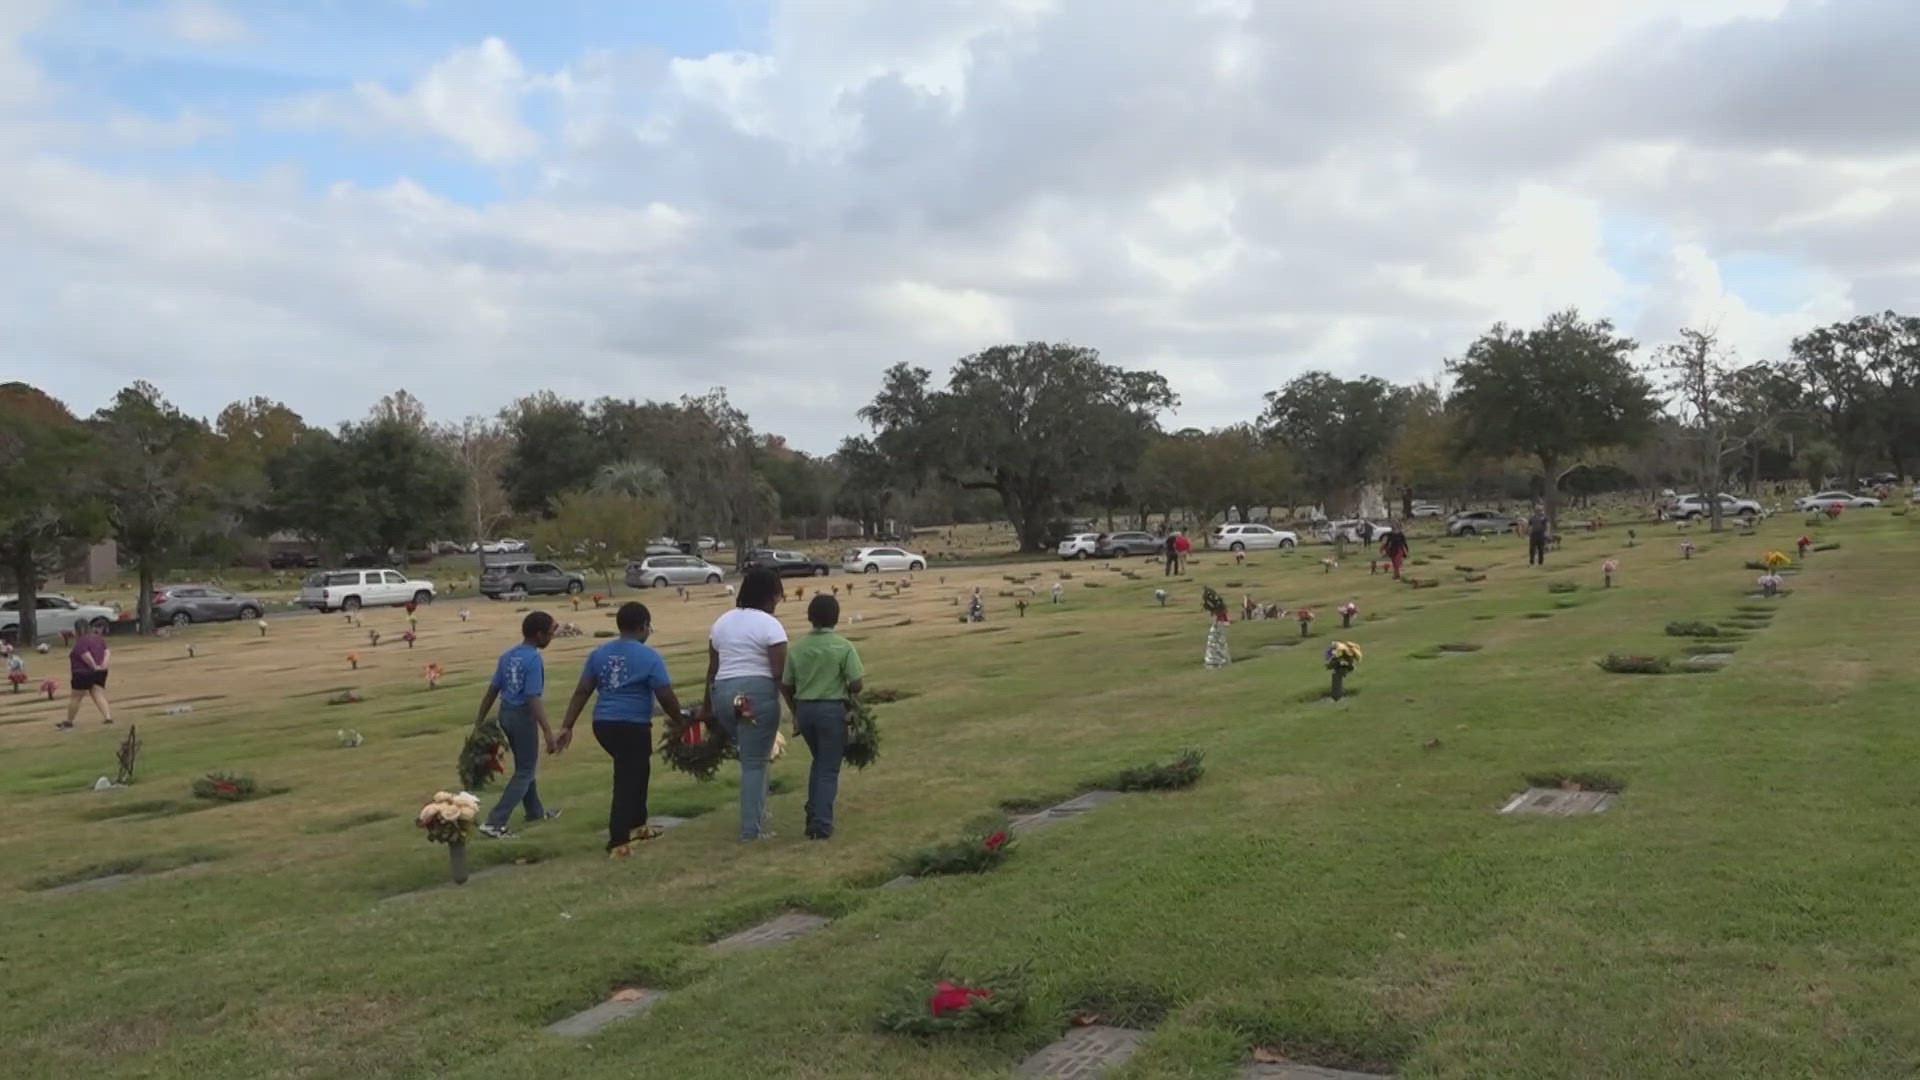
x,y
473,199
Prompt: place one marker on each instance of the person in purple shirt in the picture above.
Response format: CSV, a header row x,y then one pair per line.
x,y
88,665
519,680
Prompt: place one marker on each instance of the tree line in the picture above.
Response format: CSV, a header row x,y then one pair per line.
x,y
1033,433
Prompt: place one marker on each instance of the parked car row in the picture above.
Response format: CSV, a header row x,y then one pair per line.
x,y
1845,500
1119,545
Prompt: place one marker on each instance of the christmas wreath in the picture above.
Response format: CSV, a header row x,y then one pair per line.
x,y
863,735
1184,771
982,848
224,787
695,746
482,756
940,1001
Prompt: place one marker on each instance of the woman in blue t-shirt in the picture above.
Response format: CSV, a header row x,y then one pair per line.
x,y
629,676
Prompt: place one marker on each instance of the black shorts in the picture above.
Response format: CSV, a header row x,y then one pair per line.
x,y
87,680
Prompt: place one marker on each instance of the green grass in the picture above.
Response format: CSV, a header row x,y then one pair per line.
x,y
1337,887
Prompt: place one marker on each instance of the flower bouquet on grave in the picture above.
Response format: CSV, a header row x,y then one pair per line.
x,y
483,755
863,735
1216,655
16,672
1306,617
434,675
448,819
1769,585
1608,569
1342,658
1686,549
1775,561
940,1001
49,688
1347,611
695,746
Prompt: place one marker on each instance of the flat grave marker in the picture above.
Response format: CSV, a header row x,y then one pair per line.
x,y
623,1004
782,928
1072,808
1555,802
1084,1053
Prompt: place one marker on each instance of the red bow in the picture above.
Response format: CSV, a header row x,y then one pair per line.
x,y
948,998
995,842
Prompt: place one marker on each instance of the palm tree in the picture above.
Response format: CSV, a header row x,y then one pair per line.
x,y
635,478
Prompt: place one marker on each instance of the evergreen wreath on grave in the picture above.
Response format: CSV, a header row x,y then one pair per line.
x,y
942,1000
981,848
224,787
482,756
695,746
1182,772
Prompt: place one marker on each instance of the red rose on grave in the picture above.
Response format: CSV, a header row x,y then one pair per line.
x,y
410,607
226,788
995,842
948,998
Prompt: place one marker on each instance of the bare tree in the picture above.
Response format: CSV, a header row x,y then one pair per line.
x,y
1707,396
482,445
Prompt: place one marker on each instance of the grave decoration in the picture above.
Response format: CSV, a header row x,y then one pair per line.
x,y
128,755
409,637
1803,544
695,746
483,755
981,848
941,1002
1216,655
448,819
1058,591
976,608
1342,658
1775,560
863,735
262,625
373,638
1347,611
1306,616
1833,510
409,607
16,673
224,787
1769,585
1686,549
349,738
433,674
49,688
1160,595
345,697
1021,606
1328,566
1632,536
1608,569
1182,772
465,614
353,661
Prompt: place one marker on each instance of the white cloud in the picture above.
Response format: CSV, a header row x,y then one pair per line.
x,y
204,22
1232,192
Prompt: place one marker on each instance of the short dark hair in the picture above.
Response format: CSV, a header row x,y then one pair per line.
x,y
758,586
823,611
632,616
535,624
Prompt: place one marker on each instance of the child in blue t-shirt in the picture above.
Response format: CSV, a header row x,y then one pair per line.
x,y
519,681
628,676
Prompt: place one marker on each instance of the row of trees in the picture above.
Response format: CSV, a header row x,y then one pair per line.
x,y
1034,433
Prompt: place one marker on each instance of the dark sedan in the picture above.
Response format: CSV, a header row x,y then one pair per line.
x,y
183,604
1122,544
787,563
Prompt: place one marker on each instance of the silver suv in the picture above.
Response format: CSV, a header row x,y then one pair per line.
x,y
528,579
1689,507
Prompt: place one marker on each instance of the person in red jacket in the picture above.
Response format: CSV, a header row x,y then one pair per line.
x,y
1181,545
1394,547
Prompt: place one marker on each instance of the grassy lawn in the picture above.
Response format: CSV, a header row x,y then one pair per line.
x,y
1339,887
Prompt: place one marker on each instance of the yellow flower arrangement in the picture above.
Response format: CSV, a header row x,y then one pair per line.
x,y
1776,559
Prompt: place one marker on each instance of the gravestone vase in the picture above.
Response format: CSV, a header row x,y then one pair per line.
x,y
1339,684
457,860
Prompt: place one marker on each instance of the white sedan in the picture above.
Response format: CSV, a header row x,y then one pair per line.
x,y
876,560
53,614
1846,500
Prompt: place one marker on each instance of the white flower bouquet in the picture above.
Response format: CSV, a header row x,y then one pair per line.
x,y
449,818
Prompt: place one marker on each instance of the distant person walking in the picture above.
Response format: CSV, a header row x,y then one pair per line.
x,y
746,657
1173,555
87,665
1537,538
628,675
519,681
823,675
1393,545
1181,547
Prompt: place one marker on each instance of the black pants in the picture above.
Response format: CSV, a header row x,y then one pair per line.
x,y
1536,549
631,748
1173,564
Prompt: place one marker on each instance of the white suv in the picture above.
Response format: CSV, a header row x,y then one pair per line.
x,y
1252,537
351,590
875,559
1689,507
1080,546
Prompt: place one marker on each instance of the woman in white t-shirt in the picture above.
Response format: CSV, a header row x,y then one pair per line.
x,y
746,655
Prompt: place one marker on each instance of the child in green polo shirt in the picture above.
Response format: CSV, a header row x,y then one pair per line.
x,y
823,673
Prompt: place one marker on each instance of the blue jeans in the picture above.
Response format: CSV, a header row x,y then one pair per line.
x,y
824,725
754,740
523,738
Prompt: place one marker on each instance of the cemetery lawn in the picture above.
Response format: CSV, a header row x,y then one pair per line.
x,y
1339,887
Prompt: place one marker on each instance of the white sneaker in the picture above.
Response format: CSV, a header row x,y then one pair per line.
x,y
495,832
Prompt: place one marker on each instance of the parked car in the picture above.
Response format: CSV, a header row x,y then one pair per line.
x,y
1877,480
788,563
1082,545
183,604
1480,523
1122,544
660,571
505,545
1689,507
528,579
52,615
1428,509
1253,538
873,560
1350,531
292,560
1844,499
351,590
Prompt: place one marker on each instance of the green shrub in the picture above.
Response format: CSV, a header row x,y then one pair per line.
x,y
1634,665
